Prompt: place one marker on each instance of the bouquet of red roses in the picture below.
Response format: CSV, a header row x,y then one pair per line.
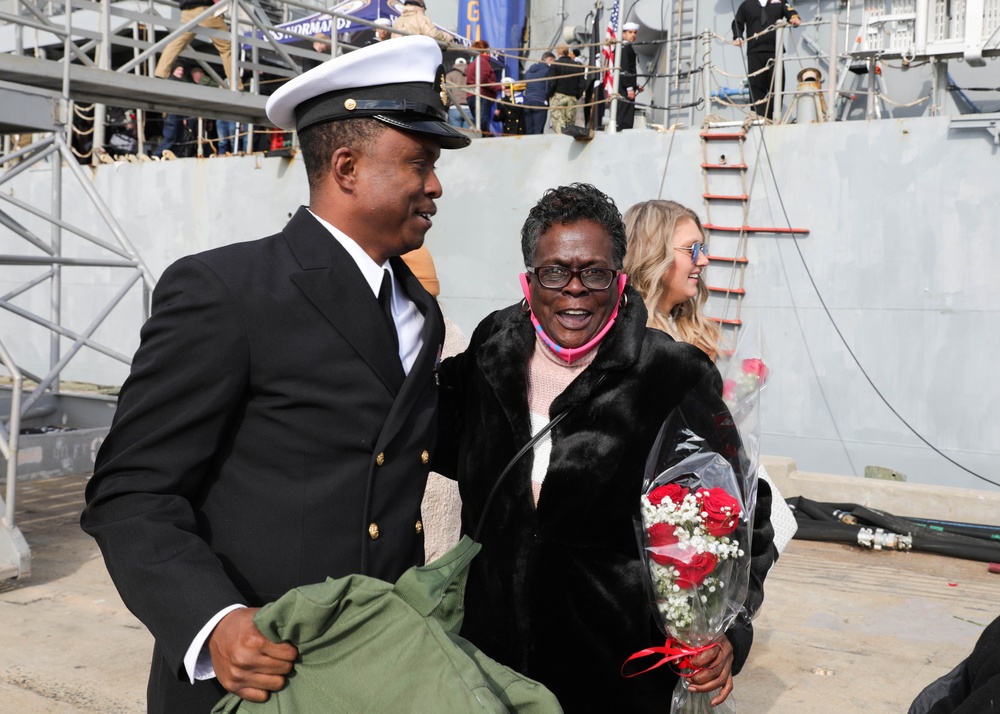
x,y
694,529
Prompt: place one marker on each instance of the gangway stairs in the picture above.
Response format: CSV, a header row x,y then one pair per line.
x,y
122,89
727,209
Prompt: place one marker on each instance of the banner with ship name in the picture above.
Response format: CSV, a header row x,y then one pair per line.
x,y
320,23
500,23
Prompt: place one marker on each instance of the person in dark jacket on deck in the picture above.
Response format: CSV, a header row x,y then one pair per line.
x,y
509,111
628,80
536,94
754,17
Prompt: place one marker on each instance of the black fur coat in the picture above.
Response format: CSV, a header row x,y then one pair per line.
x,y
557,591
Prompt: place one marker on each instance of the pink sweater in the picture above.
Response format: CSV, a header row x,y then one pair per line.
x,y
548,377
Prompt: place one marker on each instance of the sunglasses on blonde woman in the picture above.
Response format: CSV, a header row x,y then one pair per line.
x,y
696,250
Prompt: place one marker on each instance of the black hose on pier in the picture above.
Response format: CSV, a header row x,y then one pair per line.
x,y
852,523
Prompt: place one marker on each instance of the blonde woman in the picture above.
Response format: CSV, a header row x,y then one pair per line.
x,y
664,260
666,254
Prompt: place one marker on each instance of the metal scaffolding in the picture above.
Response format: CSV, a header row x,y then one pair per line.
x,y
105,67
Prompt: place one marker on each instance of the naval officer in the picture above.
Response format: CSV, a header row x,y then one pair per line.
x,y
279,417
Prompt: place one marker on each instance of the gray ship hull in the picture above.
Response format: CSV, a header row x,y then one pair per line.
x,y
887,310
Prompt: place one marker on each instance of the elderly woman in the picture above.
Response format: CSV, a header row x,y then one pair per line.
x,y
557,591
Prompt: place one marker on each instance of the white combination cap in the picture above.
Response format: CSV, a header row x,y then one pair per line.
x,y
384,21
400,83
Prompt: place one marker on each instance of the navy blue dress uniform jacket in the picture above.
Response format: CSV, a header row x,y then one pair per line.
x,y
266,438
753,18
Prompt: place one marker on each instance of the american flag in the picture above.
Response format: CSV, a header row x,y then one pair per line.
x,y
608,50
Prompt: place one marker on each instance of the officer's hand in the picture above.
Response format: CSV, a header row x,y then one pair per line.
x,y
795,22
246,662
631,94
738,42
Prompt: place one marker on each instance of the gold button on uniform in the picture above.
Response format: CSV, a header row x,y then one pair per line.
x,y
425,457
373,531
380,459
420,526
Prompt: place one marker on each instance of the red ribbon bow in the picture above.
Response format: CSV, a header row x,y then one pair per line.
x,y
675,653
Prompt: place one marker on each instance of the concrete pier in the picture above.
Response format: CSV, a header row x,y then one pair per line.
x,y
842,629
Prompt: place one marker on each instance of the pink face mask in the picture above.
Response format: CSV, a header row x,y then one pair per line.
x,y
571,354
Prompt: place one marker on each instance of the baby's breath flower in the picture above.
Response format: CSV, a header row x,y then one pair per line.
x,y
680,607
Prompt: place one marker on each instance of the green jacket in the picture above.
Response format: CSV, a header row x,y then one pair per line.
x,y
368,646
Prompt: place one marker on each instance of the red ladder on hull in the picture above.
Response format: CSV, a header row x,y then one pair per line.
x,y
752,229
719,168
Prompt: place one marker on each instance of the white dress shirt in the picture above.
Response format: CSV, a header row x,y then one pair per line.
x,y
409,320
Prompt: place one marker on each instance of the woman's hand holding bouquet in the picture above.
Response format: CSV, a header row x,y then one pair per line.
x,y
694,534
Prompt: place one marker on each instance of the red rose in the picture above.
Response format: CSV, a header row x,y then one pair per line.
x,y
729,390
672,491
692,573
720,511
661,535
756,367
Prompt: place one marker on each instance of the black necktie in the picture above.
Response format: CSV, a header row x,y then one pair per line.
x,y
385,300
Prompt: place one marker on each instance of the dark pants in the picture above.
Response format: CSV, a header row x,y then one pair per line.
x,y
760,85
228,140
486,109
534,120
600,107
173,131
626,113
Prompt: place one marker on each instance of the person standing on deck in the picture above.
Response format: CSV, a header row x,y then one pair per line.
x,y
754,17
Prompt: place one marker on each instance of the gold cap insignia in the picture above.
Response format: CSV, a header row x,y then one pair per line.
x,y
350,104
